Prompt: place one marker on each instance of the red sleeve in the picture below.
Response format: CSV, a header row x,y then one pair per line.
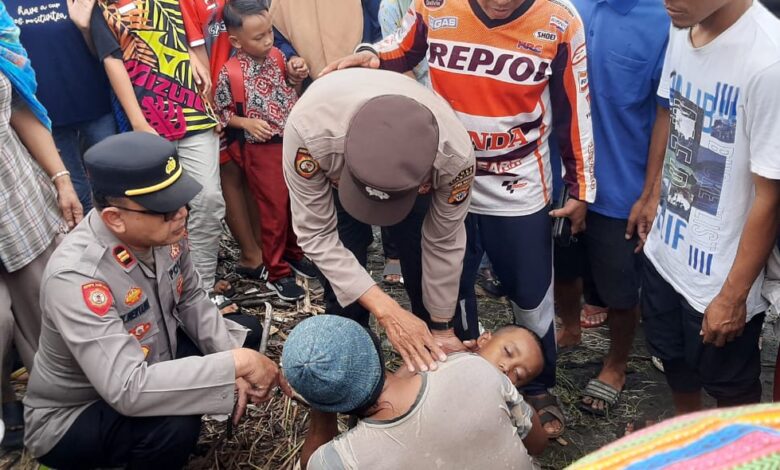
x,y
193,25
403,49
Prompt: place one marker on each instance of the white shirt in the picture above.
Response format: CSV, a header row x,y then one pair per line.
x,y
724,102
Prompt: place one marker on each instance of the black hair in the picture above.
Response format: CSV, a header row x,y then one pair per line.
x,y
100,201
236,10
533,334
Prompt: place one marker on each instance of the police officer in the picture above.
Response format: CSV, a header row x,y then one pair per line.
x,y
122,305
369,147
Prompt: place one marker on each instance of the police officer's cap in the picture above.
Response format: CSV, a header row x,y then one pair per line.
x,y
143,167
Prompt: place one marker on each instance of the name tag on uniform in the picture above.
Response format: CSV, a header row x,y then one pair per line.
x,y
136,312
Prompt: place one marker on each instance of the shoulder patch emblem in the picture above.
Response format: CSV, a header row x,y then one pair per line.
x,y
146,350
98,297
133,296
305,164
140,330
179,285
175,250
123,256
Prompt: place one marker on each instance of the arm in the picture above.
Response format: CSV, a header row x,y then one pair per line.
x,y
401,51
315,223
39,142
569,94
80,12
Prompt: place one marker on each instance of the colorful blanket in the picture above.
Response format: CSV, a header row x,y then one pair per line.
x,y
735,438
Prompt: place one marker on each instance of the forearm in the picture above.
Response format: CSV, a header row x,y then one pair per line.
x,y
656,152
38,140
200,54
758,238
376,301
123,87
236,122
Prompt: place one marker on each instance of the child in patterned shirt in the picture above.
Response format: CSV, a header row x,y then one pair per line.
x,y
253,98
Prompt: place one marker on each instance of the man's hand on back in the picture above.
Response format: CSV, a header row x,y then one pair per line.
x,y
361,59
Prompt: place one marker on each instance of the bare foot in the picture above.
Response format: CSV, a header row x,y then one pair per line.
x,y
592,316
566,338
612,377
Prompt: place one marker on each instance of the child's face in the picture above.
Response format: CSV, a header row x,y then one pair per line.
x,y
255,37
514,352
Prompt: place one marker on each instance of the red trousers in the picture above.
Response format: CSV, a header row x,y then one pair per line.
x,y
262,165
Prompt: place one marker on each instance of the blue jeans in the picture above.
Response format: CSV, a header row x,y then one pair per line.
x,y
72,141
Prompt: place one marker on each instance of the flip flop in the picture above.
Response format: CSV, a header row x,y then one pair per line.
x,y
259,273
599,390
392,269
548,408
589,311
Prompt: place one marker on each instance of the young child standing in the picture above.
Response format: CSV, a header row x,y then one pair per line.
x,y
254,96
144,51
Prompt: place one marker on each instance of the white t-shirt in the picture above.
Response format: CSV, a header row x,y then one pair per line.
x,y
724,101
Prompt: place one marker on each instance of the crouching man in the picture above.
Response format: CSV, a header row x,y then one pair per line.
x,y
132,351
423,420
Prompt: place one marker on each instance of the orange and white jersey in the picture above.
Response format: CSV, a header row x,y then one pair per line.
x,y
512,82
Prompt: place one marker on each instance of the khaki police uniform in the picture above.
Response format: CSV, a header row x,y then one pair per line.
x,y
314,142
109,333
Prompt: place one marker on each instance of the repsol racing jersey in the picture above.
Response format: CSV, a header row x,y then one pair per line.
x,y
512,83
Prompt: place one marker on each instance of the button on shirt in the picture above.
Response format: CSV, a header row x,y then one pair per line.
x,y
626,41
109,331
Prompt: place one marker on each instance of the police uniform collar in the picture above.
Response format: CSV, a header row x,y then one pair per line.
x,y
118,250
622,6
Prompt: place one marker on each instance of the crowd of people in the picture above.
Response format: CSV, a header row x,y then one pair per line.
x,y
623,152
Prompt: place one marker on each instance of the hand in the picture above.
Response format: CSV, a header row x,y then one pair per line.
x,y
243,395
68,200
257,128
448,341
297,71
411,338
262,373
645,219
575,210
724,320
361,59
80,12
200,73
634,222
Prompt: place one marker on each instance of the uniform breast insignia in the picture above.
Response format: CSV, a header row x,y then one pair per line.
x,y
146,350
136,312
98,297
140,330
305,164
179,285
133,296
174,270
123,256
175,250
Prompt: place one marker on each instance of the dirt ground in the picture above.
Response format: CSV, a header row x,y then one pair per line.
x,y
271,436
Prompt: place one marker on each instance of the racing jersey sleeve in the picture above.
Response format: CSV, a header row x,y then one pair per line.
x,y
570,99
192,26
403,49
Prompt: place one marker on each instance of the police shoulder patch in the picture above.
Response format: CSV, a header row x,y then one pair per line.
x,y
305,164
97,297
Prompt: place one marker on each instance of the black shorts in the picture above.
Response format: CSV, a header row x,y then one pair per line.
x,y
731,374
606,262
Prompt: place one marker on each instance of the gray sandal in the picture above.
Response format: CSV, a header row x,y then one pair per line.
x,y
392,269
598,390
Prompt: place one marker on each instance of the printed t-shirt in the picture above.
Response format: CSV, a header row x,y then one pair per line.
x,y
204,27
722,97
148,36
72,84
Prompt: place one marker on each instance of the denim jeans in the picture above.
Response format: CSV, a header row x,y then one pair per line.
x,y
72,141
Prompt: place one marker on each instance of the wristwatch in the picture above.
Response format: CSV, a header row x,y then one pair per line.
x,y
441,326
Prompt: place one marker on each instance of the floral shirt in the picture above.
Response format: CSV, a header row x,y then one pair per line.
x,y
268,96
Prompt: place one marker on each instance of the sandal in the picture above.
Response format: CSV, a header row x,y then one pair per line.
x,y
13,418
222,303
599,390
392,269
548,408
589,312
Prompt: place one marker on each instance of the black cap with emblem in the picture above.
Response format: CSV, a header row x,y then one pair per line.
x,y
389,150
143,167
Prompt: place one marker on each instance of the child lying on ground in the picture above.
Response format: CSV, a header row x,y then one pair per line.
x,y
466,414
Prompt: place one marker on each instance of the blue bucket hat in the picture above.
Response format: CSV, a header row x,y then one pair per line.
x,y
334,364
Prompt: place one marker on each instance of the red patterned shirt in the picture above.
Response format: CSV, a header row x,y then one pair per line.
x,y
268,96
